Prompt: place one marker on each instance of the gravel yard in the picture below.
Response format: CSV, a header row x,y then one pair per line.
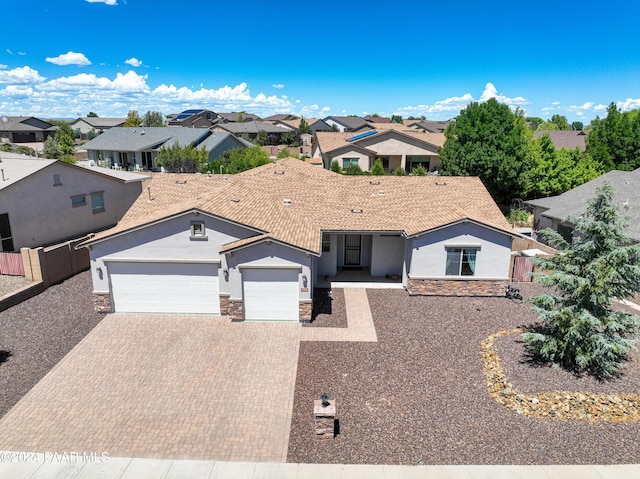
x,y
328,312
37,333
419,394
9,284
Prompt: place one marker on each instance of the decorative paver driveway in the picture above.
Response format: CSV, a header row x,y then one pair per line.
x,y
165,386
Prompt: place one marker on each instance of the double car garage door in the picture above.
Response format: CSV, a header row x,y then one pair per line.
x,y
268,294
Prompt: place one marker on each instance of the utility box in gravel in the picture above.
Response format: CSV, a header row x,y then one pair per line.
x,y
325,418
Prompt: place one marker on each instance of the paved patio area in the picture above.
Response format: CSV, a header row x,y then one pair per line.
x,y
165,386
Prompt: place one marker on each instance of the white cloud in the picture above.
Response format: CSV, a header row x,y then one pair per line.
x,y
449,107
490,91
555,103
629,104
325,109
69,58
600,107
106,2
21,76
9,52
580,109
134,62
3,66
278,86
17,91
21,54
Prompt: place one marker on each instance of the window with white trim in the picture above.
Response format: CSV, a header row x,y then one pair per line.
x,y
461,261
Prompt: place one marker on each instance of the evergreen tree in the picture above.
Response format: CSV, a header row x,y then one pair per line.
x,y
335,167
580,331
304,127
132,120
377,169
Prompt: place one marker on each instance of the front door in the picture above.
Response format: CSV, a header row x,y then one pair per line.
x,y
352,247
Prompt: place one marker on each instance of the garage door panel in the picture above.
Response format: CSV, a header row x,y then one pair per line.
x,y
165,287
271,294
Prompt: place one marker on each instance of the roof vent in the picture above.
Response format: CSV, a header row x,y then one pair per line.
x,y
235,200
381,193
373,183
224,178
287,202
441,183
357,211
278,172
181,182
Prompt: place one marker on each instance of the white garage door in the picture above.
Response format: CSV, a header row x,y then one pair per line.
x,y
165,287
270,294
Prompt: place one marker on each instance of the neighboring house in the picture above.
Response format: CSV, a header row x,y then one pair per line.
x,y
377,119
25,129
553,212
281,117
428,126
250,129
570,139
347,123
138,148
254,245
195,118
396,149
99,125
47,201
238,117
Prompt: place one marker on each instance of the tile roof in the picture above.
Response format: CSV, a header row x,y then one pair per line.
x,y
330,141
25,123
565,138
252,126
626,185
293,202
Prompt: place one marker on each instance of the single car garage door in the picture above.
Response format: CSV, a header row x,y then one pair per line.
x,y
165,287
270,294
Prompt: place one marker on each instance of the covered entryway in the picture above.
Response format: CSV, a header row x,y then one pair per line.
x,y
271,294
139,287
352,250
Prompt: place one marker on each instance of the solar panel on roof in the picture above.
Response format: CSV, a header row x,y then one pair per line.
x,y
191,112
362,135
181,117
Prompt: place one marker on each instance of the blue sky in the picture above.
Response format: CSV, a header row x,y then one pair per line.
x,y
64,58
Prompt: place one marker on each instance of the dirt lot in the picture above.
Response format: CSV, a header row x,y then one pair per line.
x,y
419,396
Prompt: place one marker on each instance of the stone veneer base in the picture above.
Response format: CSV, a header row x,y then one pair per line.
x,y
453,287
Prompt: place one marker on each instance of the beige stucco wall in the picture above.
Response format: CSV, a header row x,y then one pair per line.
x,y
41,213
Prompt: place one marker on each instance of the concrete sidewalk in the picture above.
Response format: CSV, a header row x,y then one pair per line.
x,y
46,466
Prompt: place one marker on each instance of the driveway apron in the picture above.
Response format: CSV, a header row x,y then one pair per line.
x,y
165,386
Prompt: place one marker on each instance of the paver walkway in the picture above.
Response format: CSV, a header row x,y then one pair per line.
x,y
360,325
166,386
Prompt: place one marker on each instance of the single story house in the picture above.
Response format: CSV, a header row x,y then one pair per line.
x,y
553,212
397,149
25,129
254,245
96,124
428,126
570,139
348,123
47,201
138,148
195,118
250,129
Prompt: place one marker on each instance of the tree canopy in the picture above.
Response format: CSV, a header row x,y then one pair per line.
x,y
133,120
490,141
304,127
238,160
153,118
614,141
92,115
181,159
580,331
